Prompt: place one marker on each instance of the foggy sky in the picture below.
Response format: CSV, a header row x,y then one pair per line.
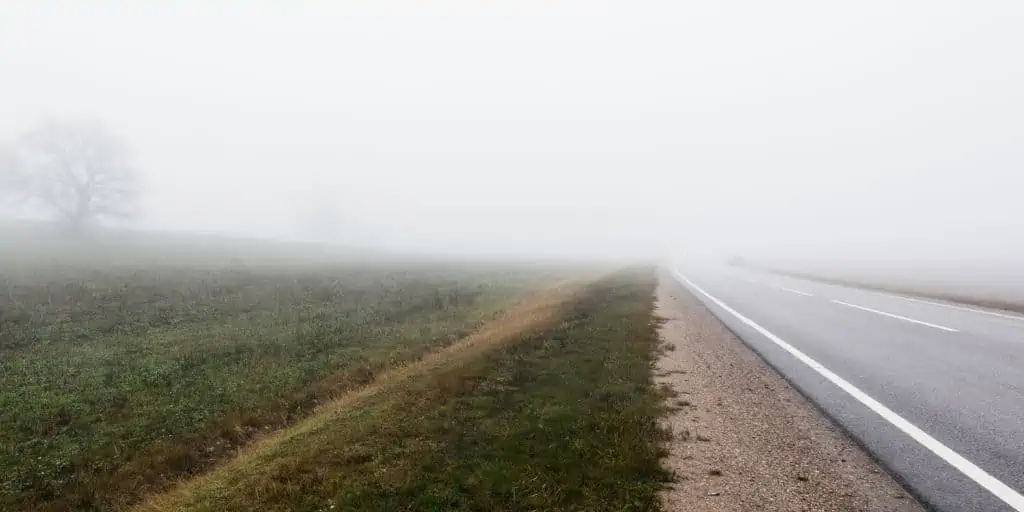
x,y
869,129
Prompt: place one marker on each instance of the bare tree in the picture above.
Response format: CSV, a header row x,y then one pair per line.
x,y
318,217
78,171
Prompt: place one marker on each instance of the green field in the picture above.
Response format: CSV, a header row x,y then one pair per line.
x,y
117,380
562,417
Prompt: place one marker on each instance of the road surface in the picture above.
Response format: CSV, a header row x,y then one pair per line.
x,y
934,390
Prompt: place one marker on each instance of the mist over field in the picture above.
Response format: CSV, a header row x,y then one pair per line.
x,y
791,132
406,255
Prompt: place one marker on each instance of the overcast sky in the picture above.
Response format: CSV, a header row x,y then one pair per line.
x,y
550,126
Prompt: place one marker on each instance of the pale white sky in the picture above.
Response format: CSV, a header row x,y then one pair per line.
x,y
549,126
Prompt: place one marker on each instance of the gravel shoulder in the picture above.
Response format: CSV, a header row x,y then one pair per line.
x,y
744,439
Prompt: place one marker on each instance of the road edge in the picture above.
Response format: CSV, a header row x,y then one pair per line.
x,y
669,273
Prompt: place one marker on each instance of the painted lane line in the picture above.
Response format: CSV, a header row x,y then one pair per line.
x,y
893,295
951,306
968,468
757,282
798,292
921,322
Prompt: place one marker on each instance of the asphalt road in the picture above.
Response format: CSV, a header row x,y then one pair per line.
x,y
935,391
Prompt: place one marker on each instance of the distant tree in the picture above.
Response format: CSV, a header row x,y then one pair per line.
x,y
12,191
78,171
318,217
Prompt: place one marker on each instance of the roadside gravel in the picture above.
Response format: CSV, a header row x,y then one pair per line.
x,y
744,439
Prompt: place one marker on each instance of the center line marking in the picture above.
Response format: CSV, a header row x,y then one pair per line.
x,y
905,319
951,306
968,468
798,292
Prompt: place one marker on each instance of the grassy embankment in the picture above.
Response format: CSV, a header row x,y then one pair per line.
x,y
559,413
116,382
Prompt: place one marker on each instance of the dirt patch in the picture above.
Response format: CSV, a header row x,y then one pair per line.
x,y
744,439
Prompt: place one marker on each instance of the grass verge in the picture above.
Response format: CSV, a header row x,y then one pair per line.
x,y
557,413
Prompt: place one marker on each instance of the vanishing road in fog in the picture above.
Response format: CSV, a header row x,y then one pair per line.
x,y
934,390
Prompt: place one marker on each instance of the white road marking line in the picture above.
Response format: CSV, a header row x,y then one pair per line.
x,y
951,306
1010,316
936,326
757,282
968,468
798,292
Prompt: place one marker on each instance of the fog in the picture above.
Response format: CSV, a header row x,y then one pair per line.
x,y
781,131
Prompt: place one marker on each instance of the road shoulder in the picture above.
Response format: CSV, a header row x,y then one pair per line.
x,y
744,439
